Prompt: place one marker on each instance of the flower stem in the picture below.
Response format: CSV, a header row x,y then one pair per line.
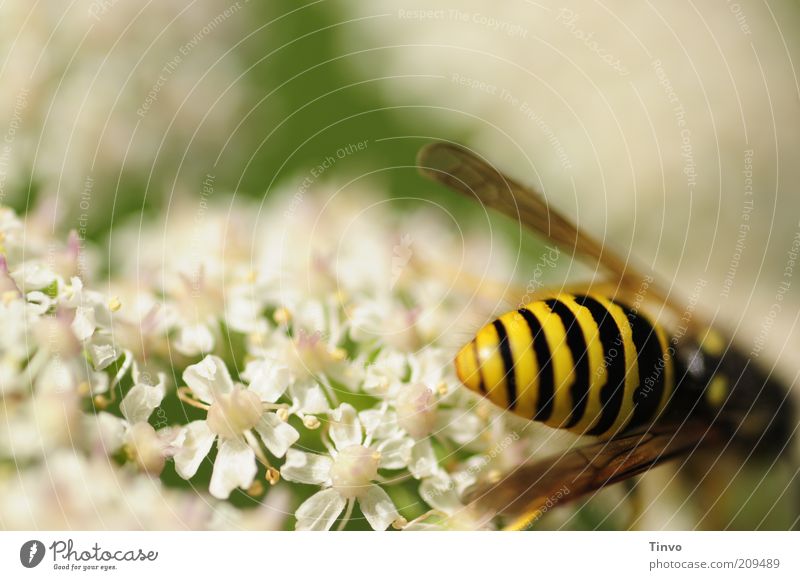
x,y
351,503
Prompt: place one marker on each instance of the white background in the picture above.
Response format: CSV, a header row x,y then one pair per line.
x,y
237,555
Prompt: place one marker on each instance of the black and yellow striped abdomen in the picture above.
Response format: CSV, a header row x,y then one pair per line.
x,y
584,363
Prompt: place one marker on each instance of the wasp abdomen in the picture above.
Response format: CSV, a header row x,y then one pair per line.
x,y
584,363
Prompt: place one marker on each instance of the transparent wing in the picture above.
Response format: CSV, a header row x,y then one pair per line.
x,y
523,492
463,171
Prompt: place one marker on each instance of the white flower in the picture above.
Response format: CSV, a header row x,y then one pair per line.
x,y
442,492
346,475
234,414
143,445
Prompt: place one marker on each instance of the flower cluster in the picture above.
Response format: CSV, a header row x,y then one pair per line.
x,y
306,382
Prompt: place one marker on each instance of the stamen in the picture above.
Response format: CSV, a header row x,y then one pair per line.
x,y
400,523
256,489
186,395
311,422
260,455
282,316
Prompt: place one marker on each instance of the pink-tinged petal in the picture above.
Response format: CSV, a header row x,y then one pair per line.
x,y
277,435
208,378
319,511
193,444
235,466
378,508
305,467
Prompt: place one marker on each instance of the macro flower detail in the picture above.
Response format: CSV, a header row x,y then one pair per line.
x,y
346,474
141,442
238,420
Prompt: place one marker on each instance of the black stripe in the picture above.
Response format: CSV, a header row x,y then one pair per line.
x,y
479,368
545,402
613,358
508,363
576,342
652,367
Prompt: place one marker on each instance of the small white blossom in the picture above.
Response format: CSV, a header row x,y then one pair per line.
x,y
235,412
346,474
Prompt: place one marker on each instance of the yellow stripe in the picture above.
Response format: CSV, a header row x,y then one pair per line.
x,y
467,367
598,376
631,365
562,361
525,364
492,368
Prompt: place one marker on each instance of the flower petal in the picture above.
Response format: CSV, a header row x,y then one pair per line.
x,y
423,459
193,444
345,428
103,353
379,424
110,431
378,508
306,467
207,378
84,323
267,378
194,339
277,435
309,399
319,511
140,402
235,466
460,426
439,492
396,452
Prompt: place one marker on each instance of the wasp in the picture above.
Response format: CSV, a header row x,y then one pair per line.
x,y
620,359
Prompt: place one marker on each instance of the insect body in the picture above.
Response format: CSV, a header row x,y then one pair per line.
x,y
586,363
593,361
